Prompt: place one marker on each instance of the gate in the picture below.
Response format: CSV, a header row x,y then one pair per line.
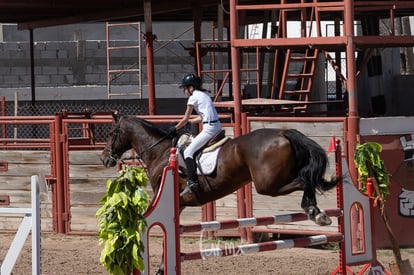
x,y
60,141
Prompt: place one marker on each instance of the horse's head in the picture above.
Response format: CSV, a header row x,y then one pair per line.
x,y
116,145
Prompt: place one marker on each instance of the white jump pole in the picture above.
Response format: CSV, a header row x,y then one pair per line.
x,y
30,221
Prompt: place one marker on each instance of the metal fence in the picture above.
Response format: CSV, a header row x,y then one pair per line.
x,y
51,108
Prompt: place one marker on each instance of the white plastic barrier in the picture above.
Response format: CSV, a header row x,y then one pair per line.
x,y
30,221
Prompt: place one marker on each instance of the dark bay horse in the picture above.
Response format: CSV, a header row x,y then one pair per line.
x,y
277,161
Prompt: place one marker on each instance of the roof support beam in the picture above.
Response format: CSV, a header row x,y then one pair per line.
x,y
149,39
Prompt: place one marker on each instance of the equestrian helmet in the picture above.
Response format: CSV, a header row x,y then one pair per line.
x,y
191,80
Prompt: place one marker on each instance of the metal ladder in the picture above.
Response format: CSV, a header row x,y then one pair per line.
x,y
296,74
116,71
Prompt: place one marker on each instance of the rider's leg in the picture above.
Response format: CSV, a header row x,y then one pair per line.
x,y
193,185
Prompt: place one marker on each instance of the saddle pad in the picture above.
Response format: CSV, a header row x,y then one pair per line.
x,y
215,145
208,162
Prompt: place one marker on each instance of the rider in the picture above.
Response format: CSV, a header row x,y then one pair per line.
x,y
201,102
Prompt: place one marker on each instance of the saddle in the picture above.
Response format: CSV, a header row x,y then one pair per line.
x,y
208,150
216,141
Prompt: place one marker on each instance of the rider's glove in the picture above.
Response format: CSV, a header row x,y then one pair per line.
x,y
172,131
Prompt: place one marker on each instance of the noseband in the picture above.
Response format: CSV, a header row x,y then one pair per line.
x,y
115,135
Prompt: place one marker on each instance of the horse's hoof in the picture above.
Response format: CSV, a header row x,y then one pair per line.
x,y
323,219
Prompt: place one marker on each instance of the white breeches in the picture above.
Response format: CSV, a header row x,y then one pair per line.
x,y
209,130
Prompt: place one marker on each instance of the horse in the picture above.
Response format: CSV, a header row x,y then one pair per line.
x,y
277,161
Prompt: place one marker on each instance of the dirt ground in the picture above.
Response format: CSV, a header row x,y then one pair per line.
x,y
76,255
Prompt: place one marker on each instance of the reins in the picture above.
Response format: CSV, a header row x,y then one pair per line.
x,y
152,146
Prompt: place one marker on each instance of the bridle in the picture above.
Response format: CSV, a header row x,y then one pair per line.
x,y
115,136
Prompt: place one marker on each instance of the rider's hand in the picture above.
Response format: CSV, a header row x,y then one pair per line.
x,y
172,131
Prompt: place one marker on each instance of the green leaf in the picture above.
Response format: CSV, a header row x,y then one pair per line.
x,y
121,221
368,155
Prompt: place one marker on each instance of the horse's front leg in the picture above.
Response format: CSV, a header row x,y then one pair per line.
x,y
309,205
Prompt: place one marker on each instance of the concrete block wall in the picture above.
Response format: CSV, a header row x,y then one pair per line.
x,y
76,55
72,63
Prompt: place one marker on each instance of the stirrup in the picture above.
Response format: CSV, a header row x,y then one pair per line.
x,y
193,188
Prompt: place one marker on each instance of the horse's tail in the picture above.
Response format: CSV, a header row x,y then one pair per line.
x,y
311,160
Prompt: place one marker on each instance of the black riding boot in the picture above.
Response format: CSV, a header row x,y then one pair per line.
x,y
193,186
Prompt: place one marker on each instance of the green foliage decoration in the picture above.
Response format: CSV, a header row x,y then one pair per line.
x,y
121,221
369,163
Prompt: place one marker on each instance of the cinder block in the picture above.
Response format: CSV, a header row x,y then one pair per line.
x,y
167,78
99,69
69,79
92,45
41,46
61,54
10,46
23,46
19,70
42,79
23,80
5,70
48,70
11,79
96,53
48,54
17,54
92,78
4,55
63,70
57,79
54,46
103,79
174,68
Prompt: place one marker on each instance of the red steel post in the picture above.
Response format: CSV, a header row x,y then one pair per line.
x,y
59,196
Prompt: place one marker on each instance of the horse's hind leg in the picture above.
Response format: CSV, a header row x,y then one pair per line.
x,y
309,205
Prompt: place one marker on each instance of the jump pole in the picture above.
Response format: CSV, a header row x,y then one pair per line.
x,y
30,221
261,247
253,221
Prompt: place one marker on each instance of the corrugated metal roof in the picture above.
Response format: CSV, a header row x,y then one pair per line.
x,y
42,13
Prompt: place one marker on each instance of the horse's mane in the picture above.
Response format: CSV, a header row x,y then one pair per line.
x,y
148,125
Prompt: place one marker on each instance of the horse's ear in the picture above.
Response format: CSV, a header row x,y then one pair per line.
x,y
115,115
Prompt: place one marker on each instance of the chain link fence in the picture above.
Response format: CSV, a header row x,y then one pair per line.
x,y
51,108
